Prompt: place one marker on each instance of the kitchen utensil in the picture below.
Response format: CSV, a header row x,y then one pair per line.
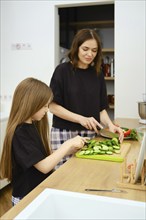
x,y
141,131
107,190
108,134
142,112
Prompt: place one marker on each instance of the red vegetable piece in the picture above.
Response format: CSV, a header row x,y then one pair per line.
x,y
127,133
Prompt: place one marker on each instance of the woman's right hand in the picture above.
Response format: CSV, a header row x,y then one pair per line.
x,y
90,123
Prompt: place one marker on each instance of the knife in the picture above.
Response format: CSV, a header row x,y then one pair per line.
x,y
106,190
105,133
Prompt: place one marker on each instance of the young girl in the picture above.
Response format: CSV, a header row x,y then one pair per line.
x,y
26,158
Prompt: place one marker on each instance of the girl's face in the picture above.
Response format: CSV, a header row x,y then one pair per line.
x,y
87,52
40,114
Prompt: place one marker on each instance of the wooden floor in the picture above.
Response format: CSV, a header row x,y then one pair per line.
x,y
5,199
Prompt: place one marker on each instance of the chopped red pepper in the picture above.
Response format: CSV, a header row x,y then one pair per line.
x,y
127,133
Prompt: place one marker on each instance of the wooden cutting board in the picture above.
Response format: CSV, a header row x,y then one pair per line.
x,y
125,147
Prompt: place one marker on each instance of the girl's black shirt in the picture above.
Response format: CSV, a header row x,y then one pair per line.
x,y
27,150
81,91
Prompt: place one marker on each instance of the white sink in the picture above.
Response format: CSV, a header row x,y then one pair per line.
x,y
58,204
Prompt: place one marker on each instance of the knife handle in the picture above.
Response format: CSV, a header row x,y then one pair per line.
x,y
92,190
98,128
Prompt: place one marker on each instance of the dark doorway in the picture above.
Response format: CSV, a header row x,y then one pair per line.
x,y
74,18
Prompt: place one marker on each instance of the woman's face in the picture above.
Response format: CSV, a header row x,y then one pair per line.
x,y
87,52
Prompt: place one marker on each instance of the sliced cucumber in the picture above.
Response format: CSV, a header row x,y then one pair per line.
x,y
116,147
105,147
117,151
109,152
82,152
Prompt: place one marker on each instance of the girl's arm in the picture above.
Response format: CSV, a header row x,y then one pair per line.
x,y
68,147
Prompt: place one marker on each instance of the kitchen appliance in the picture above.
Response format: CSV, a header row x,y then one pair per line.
x,y
142,112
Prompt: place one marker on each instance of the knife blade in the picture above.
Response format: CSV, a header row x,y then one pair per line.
x,y
105,133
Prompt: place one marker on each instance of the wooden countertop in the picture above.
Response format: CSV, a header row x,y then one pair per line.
x,y
77,174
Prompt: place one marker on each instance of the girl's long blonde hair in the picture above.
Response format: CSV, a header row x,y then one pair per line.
x,y
29,97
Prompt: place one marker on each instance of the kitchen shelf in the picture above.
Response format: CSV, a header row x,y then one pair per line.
x,y
91,24
109,78
111,106
108,50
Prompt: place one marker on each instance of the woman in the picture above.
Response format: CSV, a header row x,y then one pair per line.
x,y
80,97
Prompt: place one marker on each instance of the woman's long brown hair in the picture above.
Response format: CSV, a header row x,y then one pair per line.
x,y
29,97
82,36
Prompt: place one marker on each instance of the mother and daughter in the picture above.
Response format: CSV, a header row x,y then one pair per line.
x,y
78,101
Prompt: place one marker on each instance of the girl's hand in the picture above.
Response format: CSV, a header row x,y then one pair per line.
x,y
117,129
90,123
76,143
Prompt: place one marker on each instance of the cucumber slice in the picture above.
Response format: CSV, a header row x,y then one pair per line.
x,y
102,152
91,152
110,148
82,152
116,147
105,147
109,152
87,152
117,151
96,148
97,151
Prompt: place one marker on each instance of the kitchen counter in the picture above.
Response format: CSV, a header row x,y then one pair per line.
x,y
77,174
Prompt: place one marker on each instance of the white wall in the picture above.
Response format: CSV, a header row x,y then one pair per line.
x,y
26,22
130,56
36,22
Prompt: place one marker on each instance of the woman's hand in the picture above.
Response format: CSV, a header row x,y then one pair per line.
x,y
90,123
117,129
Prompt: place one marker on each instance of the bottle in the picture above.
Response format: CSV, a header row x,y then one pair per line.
x,y
112,67
107,67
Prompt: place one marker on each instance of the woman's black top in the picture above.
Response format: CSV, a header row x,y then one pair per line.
x,y
81,91
27,150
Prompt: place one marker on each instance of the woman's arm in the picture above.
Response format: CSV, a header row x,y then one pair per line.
x,y
87,122
68,147
63,113
105,119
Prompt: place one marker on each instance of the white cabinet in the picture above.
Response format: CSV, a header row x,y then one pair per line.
x,y
3,124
